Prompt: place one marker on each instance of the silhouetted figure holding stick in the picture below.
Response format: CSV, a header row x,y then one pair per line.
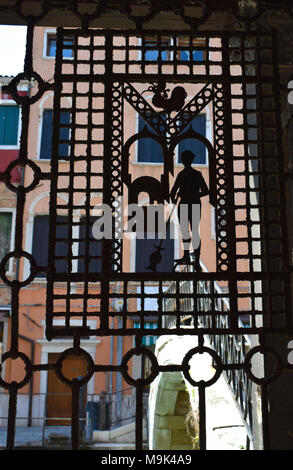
x,y
191,187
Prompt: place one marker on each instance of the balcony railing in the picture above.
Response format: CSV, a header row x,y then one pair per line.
x,y
105,411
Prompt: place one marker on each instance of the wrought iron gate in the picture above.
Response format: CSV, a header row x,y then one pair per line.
x,y
236,74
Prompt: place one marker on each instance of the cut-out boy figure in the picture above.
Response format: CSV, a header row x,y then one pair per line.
x,y
190,187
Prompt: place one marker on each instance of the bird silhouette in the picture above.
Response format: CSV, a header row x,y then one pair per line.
x,y
155,258
161,100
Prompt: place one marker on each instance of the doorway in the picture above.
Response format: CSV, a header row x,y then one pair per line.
x,y
59,397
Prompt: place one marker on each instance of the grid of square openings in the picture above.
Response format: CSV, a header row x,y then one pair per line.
x,y
180,304
256,159
78,170
171,54
76,249
129,54
177,304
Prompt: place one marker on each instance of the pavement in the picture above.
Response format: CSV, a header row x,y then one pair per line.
x,y
37,435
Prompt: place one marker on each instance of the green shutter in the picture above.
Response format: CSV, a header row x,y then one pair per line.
x,y
5,233
9,118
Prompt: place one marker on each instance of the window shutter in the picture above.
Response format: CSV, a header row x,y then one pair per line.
x,y
47,134
95,249
196,146
62,232
9,117
41,242
47,131
5,233
64,133
149,150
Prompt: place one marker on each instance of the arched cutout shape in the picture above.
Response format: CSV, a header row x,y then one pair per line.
x,y
149,185
145,133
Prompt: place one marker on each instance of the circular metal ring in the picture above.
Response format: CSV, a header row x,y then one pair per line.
x,y
28,369
136,352
18,254
247,365
186,367
21,100
74,352
18,162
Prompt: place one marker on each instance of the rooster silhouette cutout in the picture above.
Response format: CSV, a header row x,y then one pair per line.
x,y
161,100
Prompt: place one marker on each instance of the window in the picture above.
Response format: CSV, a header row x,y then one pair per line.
x,y
156,50
9,119
41,242
195,146
5,233
47,133
145,247
95,248
51,46
195,49
4,315
148,150
147,340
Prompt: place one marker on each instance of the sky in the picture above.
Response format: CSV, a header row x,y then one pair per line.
x,y
12,49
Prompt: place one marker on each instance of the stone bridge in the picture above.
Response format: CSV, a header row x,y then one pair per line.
x,y
173,403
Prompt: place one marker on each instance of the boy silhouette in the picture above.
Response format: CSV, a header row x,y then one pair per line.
x,y
190,187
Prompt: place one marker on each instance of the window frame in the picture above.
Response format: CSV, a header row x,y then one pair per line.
x,y
40,134
165,42
47,33
42,276
137,118
12,234
75,245
208,136
30,240
11,102
200,42
80,256
170,54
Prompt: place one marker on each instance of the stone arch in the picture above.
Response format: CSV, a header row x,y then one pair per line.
x,y
171,397
168,414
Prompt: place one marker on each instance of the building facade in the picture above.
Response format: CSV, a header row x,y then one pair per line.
x,y
38,402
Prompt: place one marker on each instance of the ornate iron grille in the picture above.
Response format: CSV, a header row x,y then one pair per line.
x,y
244,173
238,76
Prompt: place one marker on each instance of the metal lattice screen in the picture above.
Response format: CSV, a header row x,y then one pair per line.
x,y
244,173
246,292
